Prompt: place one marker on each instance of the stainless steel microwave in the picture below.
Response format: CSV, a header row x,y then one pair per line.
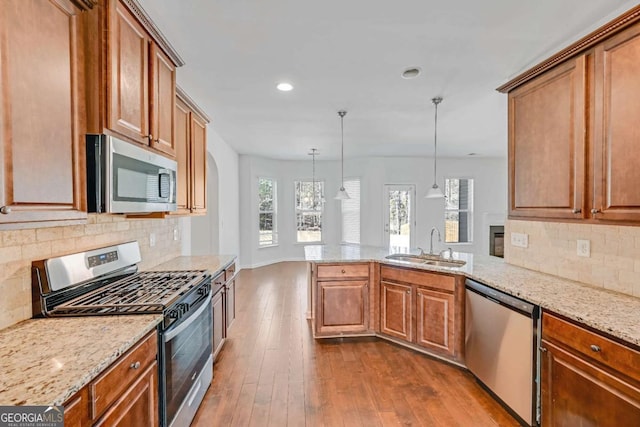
x,y
125,178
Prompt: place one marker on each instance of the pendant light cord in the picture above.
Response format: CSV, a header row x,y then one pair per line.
x,y
435,101
342,114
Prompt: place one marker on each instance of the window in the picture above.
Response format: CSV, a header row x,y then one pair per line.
x,y
351,212
267,209
458,223
309,202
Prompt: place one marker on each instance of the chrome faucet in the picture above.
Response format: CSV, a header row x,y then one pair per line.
x,y
431,240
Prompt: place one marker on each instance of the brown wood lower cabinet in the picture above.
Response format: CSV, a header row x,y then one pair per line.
x,y
125,394
138,405
435,320
341,294
396,302
428,303
587,379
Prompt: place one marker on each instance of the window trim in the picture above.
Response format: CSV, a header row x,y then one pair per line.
x,y
295,212
469,211
275,242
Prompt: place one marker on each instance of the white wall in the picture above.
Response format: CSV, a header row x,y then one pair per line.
x,y
490,199
222,220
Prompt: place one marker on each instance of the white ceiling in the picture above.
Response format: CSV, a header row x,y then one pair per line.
x,y
349,54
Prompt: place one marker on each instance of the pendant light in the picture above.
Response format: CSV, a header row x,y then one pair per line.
x,y
313,154
435,192
342,193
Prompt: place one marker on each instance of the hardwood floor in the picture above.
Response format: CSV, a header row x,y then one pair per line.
x,y
271,372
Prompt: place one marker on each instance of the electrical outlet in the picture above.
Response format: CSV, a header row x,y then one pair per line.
x,y
520,240
152,239
584,248
176,236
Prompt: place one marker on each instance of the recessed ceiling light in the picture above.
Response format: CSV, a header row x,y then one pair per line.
x,y
411,73
284,86
472,154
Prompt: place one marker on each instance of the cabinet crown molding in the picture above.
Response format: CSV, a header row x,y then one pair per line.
x,y
146,21
587,42
191,103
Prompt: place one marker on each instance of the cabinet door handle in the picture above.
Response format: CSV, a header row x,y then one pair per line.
x,y
343,271
577,211
135,365
6,210
595,348
409,291
595,211
543,350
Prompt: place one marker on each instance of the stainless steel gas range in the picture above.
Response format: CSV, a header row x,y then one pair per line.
x,y
105,281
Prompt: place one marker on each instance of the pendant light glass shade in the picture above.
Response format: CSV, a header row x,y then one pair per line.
x,y
435,192
342,193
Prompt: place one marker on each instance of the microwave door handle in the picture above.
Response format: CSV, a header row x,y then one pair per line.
x,y
162,172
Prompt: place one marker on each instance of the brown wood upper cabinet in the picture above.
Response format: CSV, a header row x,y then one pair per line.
x,y
42,120
131,76
573,134
616,138
191,155
547,142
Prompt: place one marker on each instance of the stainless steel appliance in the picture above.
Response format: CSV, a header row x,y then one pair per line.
x,y
501,342
125,178
105,281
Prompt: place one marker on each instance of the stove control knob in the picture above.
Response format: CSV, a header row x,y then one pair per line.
x,y
186,307
174,314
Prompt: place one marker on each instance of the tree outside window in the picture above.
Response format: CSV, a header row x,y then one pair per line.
x,y
458,223
309,196
267,227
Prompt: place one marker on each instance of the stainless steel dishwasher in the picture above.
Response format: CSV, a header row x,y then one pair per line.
x,y
501,342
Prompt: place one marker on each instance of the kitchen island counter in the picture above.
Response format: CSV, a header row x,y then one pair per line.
x,y
607,311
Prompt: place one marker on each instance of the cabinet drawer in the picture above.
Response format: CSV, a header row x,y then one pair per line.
x,y
229,272
422,278
347,271
109,386
594,346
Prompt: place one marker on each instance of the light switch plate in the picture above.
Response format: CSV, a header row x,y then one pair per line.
x,y
152,239
520,240
176,236
584,248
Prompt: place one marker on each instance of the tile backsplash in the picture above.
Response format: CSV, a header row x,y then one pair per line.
x,y
19,247
614,262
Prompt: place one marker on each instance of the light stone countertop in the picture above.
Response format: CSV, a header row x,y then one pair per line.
x,y
614,313
46,361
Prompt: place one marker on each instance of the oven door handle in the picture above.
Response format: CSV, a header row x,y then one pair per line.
x,y
169,335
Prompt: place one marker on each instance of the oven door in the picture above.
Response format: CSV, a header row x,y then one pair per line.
x,y
187,364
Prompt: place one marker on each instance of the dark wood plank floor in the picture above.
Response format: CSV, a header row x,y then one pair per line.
x,y
271,372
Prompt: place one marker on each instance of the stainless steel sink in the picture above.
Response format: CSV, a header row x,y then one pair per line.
x,y
427,259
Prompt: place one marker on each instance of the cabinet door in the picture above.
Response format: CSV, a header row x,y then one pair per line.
x,y
163,98
183,156
231,303
128,76
616,136
218,323
198,165
76,409
435,315
41,112
577,393
547,144
343,307
395,312
138,405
